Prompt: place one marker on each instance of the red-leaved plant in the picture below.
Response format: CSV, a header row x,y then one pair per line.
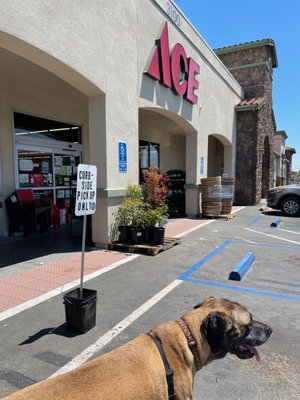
x,y
155,187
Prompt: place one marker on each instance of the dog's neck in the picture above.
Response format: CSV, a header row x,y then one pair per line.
x,y
193,320
191,342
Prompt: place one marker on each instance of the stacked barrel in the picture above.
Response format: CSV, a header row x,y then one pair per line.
x,y
227,195
217,195
211,196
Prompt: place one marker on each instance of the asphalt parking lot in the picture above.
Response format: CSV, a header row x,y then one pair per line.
x,y
149,290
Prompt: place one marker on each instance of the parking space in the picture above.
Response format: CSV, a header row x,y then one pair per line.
x,y
266,219
150,290
266,276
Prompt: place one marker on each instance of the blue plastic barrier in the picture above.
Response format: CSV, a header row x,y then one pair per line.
x,y
242,267
275,223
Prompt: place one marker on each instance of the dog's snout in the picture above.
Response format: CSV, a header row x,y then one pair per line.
x,y
269,330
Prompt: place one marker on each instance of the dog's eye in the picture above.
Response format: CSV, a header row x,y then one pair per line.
x,y
248,329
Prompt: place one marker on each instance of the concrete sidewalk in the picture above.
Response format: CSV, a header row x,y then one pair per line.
x,y
34,280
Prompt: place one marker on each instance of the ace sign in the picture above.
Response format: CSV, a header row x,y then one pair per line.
x,y
86,190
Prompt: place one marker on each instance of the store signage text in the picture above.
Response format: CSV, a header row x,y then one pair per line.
x,y
86,192
177,72
173,13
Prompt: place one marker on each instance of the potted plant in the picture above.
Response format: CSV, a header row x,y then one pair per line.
x,y
155,187
155,191
123,219
137,226
128,214
157,219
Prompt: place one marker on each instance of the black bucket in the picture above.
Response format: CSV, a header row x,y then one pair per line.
x,y
158,236
80,313
124,234
137,235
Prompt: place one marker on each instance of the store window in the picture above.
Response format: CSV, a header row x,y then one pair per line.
x,y
148,156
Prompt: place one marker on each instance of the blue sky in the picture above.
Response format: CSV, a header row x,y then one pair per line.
x,y
224,23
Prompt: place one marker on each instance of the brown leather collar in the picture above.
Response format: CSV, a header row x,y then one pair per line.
x,y
191,342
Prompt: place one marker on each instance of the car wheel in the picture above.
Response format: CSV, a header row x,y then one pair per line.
x,y
291,207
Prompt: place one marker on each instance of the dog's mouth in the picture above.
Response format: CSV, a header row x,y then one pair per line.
x,y
245,351
257,334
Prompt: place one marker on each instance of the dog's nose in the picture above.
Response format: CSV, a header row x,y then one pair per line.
x,y
269,330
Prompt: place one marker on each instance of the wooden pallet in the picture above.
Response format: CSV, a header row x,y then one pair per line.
x,y
224,216
151,250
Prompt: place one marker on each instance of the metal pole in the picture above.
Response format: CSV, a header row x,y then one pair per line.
x,y
82,257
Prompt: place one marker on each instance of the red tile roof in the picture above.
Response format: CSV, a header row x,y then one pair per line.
x,y
252,101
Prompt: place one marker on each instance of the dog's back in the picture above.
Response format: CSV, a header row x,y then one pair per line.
x,y
132,371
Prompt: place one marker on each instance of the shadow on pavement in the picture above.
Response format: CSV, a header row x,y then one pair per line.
x,y
16,250
60,331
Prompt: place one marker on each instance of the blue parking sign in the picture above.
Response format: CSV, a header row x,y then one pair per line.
x,y
122,157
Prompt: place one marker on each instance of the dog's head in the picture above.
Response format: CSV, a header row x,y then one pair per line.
x,y
229,327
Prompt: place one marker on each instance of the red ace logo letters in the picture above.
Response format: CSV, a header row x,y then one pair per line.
x,y
177,71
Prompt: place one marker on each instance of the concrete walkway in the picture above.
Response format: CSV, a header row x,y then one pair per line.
x,y
32,279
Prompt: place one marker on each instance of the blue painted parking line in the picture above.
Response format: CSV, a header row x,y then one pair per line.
x,y
203,261
255,220
186,275
242,289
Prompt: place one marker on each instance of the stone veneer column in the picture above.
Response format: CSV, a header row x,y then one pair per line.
x,y
251,67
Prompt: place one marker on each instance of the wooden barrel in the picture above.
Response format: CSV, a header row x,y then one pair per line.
x,y
227,195
211,196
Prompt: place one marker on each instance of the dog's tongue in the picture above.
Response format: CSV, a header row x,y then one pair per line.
x,y
253,351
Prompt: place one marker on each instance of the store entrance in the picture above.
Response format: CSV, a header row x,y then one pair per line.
x,y
47,165
51,175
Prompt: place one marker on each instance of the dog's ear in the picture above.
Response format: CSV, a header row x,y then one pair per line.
x,y
202,302
215,326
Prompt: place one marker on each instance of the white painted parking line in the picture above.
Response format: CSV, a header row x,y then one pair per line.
x,y
286,230
37,300
116,330
194,229
272,236
238,209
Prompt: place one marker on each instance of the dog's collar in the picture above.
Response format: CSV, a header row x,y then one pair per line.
x,y
191,342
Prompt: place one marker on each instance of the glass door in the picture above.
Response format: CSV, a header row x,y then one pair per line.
x,y
35,171
65,178
51,173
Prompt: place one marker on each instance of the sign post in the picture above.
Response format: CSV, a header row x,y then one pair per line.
x,y
86,194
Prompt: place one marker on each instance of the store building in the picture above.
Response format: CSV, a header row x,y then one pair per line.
x,y
121,85
282,158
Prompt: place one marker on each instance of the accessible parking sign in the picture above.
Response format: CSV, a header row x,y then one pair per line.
x,y
86,190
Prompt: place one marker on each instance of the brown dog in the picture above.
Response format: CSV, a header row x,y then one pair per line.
x,y
136,370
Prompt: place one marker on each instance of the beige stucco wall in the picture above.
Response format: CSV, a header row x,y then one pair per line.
x,y
101,48
27,88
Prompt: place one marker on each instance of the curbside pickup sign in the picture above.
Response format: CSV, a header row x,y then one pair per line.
x,y
86,190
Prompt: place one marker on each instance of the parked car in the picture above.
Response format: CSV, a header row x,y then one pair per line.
x,y
285,198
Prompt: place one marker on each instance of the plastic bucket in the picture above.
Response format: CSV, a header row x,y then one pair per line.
x,y
137,235
80,313
157,235
124,234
